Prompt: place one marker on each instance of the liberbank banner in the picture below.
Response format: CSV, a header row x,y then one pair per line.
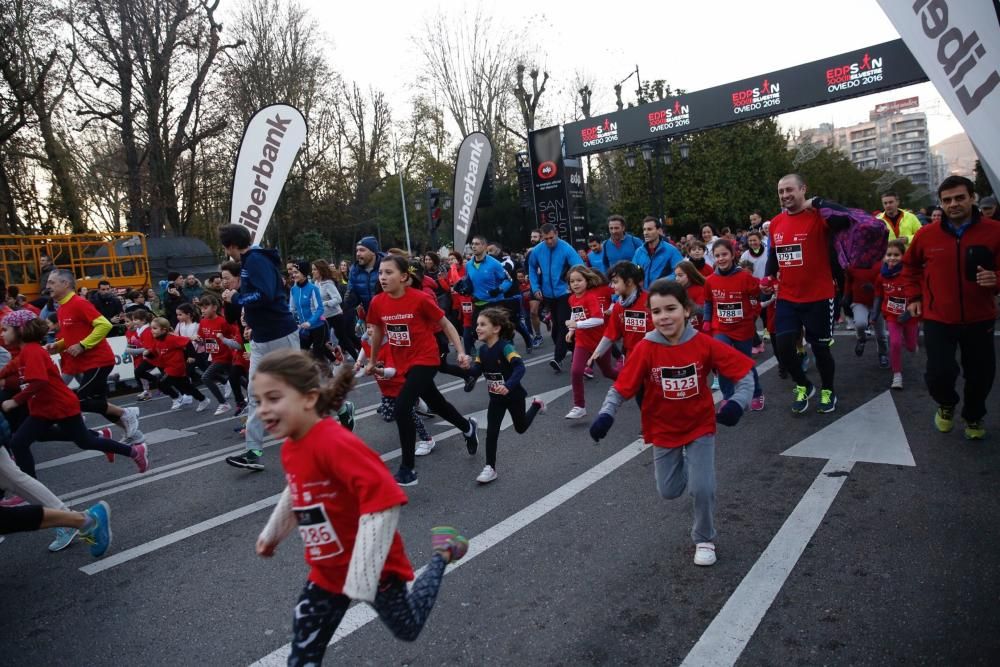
x,y
862,72
474,157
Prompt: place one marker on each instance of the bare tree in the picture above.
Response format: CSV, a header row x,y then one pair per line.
x,y
364,126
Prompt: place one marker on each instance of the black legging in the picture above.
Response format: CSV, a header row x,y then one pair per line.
x,y
559,307
21,519
70,428
513,403
180,384
217,372
343,329
420,384
93,391
787,352
314,340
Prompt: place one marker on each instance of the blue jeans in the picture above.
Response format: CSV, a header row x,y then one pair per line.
x,y
726,385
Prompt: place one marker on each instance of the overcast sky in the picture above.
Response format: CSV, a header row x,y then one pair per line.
x,y
691,45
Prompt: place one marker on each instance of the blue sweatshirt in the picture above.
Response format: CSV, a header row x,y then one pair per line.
x,y
547,268
262,295
612,254
660,265
488,276
307,304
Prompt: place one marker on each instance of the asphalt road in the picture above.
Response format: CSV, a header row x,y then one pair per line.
x,y
575,560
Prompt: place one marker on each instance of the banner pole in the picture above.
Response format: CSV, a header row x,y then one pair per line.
x,y
406,220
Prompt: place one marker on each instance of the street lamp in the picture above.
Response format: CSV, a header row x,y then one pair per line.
x,y
630,158
648,155
685,149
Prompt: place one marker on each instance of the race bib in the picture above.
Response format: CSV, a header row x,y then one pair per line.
x,y
729,313
789,255
399,334
493,382
896,305
212,345
635,321
678,383
467,307
317,532
578,313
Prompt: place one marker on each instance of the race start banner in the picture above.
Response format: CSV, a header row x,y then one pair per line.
x,y
470,172
958,44
862,72
271,141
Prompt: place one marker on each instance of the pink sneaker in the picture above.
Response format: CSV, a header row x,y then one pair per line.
x,y
757,349
757,403
445,539
13,501
140,454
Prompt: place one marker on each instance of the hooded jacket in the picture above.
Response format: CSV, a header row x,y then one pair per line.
x,y
660,264
362,284
262,295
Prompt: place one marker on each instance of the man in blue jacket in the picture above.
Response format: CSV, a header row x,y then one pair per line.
x,y
265,309
362,283
488,280
656,256
548,264
620,246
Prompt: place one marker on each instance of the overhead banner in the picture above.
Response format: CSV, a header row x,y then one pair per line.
x,y
470,172
958,45
862,72
548,180
271,141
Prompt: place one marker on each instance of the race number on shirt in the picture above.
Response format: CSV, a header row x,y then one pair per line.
x,y
211,346
679,382
493,382
789,255
399,334
317,532
896,305
578,313
467,307
730,313
635,321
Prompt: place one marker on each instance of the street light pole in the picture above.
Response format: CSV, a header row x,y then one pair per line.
x,y
406,220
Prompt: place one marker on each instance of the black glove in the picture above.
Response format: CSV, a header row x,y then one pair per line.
x,y
494,292
729,413
601,426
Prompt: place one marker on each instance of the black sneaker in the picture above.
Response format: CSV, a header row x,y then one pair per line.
x,y
248,460
472,441
406,476
346,416
859,347
883,360
470,383
555,365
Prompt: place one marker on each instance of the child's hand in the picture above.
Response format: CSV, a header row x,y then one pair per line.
x,y
265,549
502,390
569,336
729,413
593,358
570,324
8,405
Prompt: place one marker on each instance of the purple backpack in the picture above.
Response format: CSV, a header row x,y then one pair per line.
x,y
863,244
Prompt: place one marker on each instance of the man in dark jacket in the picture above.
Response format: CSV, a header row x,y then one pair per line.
x,y
362,284
950,269
173,296
265,309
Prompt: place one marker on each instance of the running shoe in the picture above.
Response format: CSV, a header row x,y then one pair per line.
x,y
588,373
576,412
13,501
64,536
144,396
897,381
140,454
757,403
187,399
227,392
103,432
975,430
715,382
222,409
346,415
99,535
203,405
537,400
248,460
177,404
241,409
421,409
883,360
425,447
757,349
135,439
406,476
487,475
944,418
130,421
536,341
470,383
472,441
446,540
704,554
859,347
555,365
827,401
802,396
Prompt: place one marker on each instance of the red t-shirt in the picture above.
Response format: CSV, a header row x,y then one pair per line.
x,y
802,242
76,318
855,281
169,354
584,307
734,304
56,401
408,325
677,404
630,323
334,479
208,330
892,291
697,295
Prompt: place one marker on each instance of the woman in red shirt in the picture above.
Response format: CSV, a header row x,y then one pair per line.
x,y
346,506
53,409
405,318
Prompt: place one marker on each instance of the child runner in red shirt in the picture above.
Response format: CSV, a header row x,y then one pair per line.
x,y
731,306
859,294
171,353
688,276
890,296
671,365
213,329
346,506
586,327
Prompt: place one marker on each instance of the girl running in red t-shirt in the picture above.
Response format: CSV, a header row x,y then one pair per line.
x,y
346,506
690,278
171,353
890,296
586,327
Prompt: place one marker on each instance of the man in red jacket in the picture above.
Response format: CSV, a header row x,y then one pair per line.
x,y
951,281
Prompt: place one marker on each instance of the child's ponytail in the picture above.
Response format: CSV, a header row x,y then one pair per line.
x,y
302,373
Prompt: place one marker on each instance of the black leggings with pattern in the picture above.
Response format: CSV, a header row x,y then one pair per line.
x,y
319,612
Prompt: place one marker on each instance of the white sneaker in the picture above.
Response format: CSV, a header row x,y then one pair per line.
x,y
422,406
130,421
897,381
576,413
227,392
187,400
487,475
203,405
222,409
177,404
425,447
541,404
704,554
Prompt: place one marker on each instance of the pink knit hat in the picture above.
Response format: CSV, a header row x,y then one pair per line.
x,y
19,318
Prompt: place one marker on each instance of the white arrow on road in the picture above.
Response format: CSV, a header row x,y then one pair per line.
x,y
870,434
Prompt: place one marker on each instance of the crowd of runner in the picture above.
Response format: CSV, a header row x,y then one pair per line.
x,y
666,320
